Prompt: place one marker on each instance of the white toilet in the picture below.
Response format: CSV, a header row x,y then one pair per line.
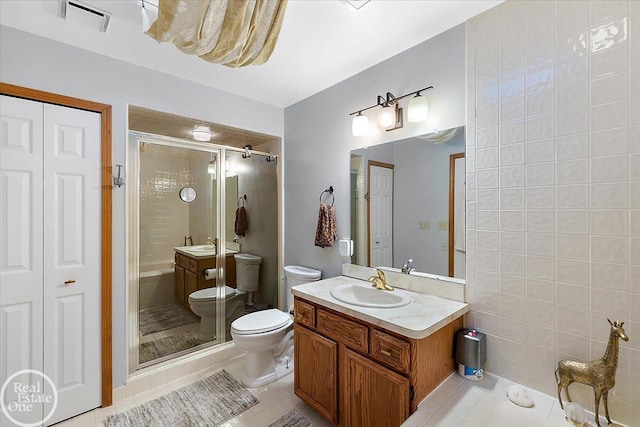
x,y
267,336
248,274
203,304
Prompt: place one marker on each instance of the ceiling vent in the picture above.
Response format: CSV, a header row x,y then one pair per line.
x,y
84,14
356,4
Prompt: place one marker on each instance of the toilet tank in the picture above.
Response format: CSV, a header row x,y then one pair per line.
x,y
298,275
247,272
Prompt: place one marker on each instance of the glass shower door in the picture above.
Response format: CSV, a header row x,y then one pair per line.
x,y
180,265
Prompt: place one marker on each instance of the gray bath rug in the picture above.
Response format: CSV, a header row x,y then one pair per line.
x,y
164,317
161,347
292,419
205,403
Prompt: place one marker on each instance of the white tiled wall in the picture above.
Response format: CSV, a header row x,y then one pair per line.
x,y
553,195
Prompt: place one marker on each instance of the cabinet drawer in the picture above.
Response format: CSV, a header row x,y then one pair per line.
x,y
181,260
342,330
304,313
390,350
193,265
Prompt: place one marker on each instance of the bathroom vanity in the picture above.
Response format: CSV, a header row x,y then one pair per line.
x,y
370,366
189,272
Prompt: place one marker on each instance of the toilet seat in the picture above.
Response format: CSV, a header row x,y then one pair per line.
x,y
210,294
260,322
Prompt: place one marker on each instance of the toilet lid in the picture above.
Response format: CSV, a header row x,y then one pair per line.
x,y
209,294
260,322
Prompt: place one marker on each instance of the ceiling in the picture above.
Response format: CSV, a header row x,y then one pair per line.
x,y
322,42
164,124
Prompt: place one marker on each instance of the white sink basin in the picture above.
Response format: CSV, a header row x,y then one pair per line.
x,y
367,296
201,248
198,251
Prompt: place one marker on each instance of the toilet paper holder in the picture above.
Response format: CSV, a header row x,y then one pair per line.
x,y
209,273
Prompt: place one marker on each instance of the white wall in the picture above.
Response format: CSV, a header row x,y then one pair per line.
x,y
318,136
553,196
43,64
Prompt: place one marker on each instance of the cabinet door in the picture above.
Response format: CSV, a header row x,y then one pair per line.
x,y
372,395
315,372
179,284
190,285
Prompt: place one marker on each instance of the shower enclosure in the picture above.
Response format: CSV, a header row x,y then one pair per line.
x,y
182,267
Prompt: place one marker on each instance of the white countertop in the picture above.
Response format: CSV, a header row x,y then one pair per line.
x,y
201,251
423,316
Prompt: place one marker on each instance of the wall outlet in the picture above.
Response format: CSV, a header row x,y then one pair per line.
x,y
424,225
443,225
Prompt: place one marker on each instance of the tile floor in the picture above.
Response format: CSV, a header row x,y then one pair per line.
x,y
276,399
456,402
462,403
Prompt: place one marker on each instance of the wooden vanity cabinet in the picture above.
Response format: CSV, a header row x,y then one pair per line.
x,y
189,275
358,374
316,371
372,394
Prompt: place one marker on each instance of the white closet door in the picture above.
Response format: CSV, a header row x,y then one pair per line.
x,y
21,270
72,190
381,216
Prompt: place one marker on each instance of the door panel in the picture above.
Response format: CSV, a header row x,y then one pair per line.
x,y
381,215
21,210
367,389
72,190
316,376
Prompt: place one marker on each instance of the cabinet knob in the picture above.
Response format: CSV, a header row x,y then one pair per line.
x,y
385,352
69,282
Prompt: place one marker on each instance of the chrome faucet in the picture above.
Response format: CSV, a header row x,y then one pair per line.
x,y
406,267
211,242
379,281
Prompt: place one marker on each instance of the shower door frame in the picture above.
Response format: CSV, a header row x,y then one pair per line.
x,y
133,232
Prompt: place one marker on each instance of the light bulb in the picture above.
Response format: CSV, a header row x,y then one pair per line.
x,y
202,134
387,117
360,125
418,108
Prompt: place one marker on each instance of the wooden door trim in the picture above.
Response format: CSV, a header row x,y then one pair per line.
x,y
452,191
107,215
382,165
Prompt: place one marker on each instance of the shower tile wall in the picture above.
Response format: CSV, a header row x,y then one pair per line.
x,y
164,218
553,212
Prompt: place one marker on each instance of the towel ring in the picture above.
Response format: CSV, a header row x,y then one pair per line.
x,y
330,191
242,198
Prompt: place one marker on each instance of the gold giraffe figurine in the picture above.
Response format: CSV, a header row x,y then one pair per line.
x,y
599,374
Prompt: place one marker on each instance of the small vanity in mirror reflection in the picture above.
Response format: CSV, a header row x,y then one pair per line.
x,y
408,202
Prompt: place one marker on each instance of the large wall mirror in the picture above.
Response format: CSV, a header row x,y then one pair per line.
x,y
408,202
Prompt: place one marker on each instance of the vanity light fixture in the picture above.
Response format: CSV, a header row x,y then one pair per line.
x,y
202,133
418,109
360,125
390,115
